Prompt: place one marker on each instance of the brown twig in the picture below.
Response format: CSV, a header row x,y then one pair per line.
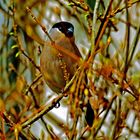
x,y
41,111
36,20
103,119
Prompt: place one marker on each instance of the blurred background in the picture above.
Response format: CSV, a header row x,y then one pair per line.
x,y
114,77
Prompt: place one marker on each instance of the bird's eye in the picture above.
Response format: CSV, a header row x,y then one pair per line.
x,y
70,32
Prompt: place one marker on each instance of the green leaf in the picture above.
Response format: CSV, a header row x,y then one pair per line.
x,y
17,54
14,46
11,33
70,4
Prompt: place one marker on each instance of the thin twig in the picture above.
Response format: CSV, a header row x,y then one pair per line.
x,y
76,114
134,44
100,33
78,4
24,53
43,111
34,81
30,59
92,48
128,6
117,118
103,119
127,40
94,26
29,89
36,20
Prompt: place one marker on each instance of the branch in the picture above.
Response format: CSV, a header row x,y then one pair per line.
x,y
46,109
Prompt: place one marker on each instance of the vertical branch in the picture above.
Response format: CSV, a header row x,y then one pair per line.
x,y
37,21
93,48
76,114
127,39
103,119
134,44
117,118
94,26
96,40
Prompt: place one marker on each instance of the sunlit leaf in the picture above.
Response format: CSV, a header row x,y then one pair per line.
x,y
17,54
14,46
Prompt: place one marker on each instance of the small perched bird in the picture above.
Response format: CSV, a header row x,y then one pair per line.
x,y
58,67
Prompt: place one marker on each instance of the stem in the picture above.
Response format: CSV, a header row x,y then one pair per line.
x,y
134,44
94,26
36,20
127,40
45,110
102,121
116,122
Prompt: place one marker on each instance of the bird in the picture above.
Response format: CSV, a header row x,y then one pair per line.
x,y
58,67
